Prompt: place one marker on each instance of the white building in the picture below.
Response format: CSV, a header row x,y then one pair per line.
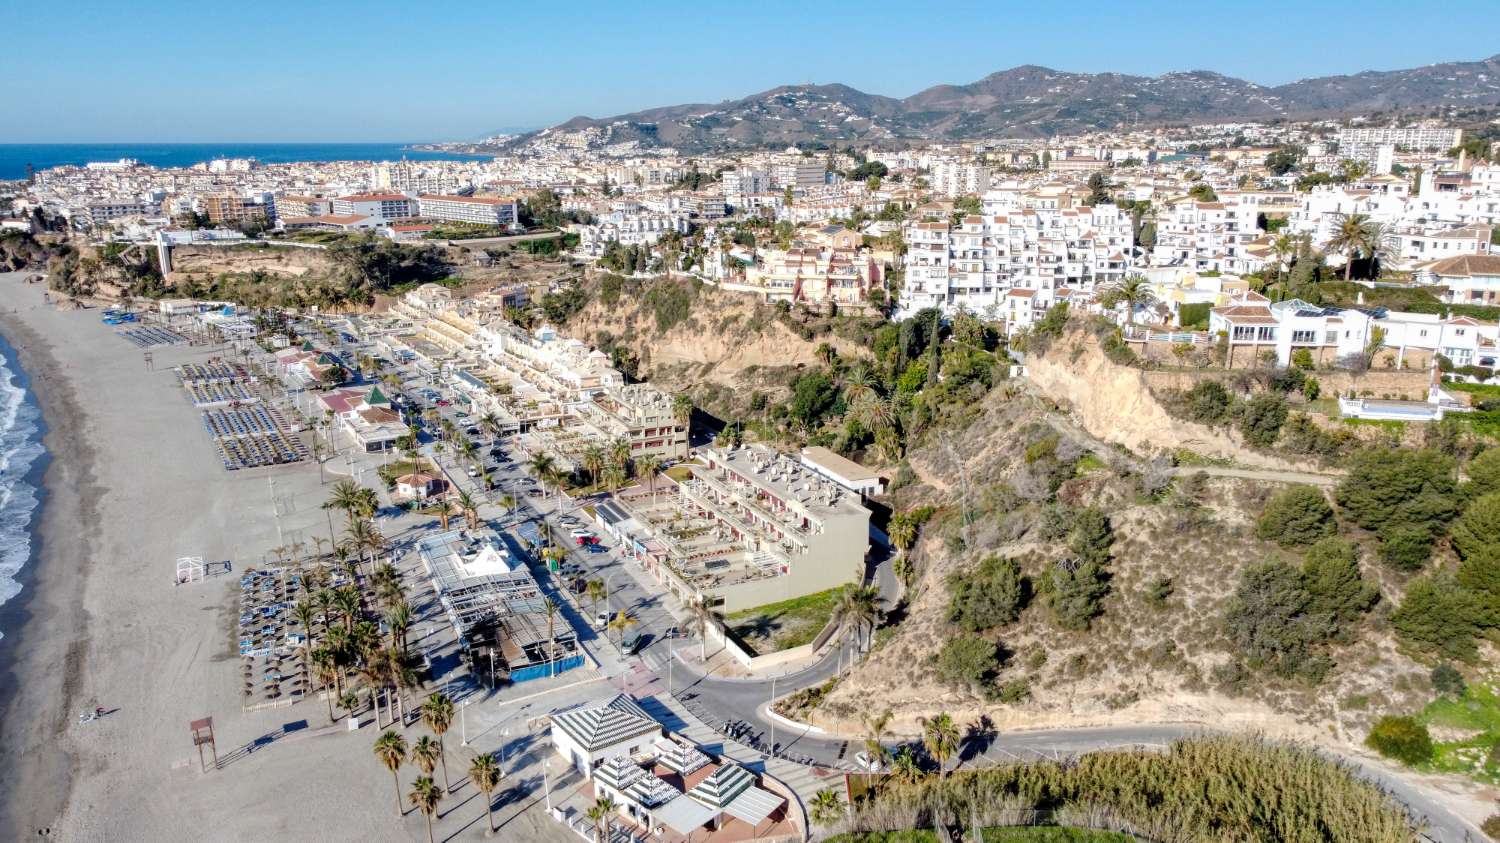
x,y
503,212
383,207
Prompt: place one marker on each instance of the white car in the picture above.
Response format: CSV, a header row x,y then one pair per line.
x,y
473,471
867,762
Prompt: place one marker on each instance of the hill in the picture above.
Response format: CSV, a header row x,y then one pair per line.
x,y
1026,101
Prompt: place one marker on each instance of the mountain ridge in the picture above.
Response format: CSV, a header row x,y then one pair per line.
x,y
1024,101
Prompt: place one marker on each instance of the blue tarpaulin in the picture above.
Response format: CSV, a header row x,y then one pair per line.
x,y
542,671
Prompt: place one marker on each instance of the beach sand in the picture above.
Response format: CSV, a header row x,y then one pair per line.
x,y
132,484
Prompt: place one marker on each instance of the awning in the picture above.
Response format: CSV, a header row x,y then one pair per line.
x,y
683,815
754,805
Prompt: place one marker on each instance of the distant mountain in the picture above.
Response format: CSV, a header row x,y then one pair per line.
x,y
1026,101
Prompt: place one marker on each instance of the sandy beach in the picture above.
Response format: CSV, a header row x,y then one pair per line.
x,y
132,484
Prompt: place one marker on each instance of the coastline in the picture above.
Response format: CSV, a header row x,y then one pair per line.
x,y
45,624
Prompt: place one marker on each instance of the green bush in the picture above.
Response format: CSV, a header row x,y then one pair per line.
x,y
1076,595
1296,516
991,596
1405,548
1194,316
1269,621
1261,419
1446,680
1302,359
1476,537
1440,616
969,661
1401,738
1207,402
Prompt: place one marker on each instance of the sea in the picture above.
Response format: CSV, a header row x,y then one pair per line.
x,y
15,156
21,432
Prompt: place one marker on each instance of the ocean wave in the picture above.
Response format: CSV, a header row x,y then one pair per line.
x,y
20,446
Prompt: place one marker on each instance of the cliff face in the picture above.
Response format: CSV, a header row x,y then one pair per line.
x,y
1115,403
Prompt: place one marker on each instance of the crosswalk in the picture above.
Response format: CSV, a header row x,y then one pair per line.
x,y
803,780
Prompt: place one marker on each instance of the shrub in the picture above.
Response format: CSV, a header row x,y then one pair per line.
x,y
1159,591
1075,595
1440,616
1401,738
1302,359
1405,548
1446,680
1491,826
1296,516
1269,620
1484,473
1091,536
993,595
1015,691
1476,537
969,661
1261,419
1399,487
1330,574
1207,402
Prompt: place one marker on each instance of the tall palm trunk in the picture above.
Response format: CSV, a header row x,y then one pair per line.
x,y
443,760
396,779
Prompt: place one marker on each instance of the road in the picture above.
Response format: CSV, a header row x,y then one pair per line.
x,y
719,701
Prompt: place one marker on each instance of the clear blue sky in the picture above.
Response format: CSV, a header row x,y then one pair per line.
x,y
331,70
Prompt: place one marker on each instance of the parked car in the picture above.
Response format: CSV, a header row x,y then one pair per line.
x,y
674,632
601,620
866,761
473,471
443,402
629,642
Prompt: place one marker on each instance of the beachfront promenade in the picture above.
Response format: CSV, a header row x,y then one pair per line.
x,y
136,484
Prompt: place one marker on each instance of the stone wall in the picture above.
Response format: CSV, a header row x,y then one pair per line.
x,y
1400,384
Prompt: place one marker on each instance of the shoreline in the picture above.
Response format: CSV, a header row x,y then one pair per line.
x,y
47,619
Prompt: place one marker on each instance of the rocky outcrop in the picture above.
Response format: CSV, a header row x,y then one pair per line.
x,y
1115,403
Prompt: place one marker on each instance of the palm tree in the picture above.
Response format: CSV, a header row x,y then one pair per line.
x,y
614,476
361,535
594,591
904,766
602,814
940,739
437,713
875,413
858,607
541,467
424,797
549,607
858,383
1284,247
445,511
877,725
346,600
647,466
621,622
1133,291
902,531
424,753
507,502
619,454
485,774
398,618
345,496
592,459
827,807
682,411
490,423
1349,238
469,509
390,748
703,618
325,668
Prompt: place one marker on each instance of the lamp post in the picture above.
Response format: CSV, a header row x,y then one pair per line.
x,y
546,783
772,747
463,721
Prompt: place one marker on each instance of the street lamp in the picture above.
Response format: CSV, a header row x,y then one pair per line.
x,y
504,735
463,721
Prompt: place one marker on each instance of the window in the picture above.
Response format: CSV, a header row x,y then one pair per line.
x,y
1244,332
1331,338
1266,334
1304,336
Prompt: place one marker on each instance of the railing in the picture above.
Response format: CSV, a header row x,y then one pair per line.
x,y
1138,333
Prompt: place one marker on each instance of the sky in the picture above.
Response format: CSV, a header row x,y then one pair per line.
x,y
337,71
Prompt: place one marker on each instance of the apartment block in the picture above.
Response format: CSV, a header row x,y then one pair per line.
x,y
379,206
978,262
500,211
752,526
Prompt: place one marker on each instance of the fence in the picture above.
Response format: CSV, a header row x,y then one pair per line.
x,y
542,671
